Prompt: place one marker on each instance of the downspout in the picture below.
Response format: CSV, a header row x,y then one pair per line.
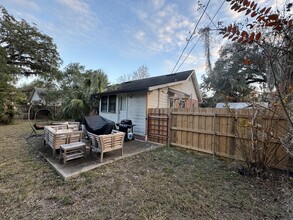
x,y
146,116
126,105
191,101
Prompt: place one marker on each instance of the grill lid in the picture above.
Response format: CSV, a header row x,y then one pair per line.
x,y
126,122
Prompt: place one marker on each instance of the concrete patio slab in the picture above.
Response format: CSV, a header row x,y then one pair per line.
x,y
75,167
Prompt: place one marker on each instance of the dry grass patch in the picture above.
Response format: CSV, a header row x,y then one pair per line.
x,y
166,183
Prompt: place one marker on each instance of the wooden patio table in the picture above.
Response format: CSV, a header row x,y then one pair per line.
x,y
72,151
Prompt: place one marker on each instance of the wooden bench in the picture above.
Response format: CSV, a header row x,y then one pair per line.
x,y
106,143
72,151
55,136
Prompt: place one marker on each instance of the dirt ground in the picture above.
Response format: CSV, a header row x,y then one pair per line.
x,y
166,183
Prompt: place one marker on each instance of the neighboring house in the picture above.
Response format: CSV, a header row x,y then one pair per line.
x,y
131,100
38,95
241,105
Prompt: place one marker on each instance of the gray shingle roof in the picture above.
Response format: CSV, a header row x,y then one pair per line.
x,y
144,84
42,92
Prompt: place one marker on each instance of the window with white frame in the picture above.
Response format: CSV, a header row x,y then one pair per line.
x,y
108,103
104,103
112,103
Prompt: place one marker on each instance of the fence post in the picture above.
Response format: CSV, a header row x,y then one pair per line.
x,y
214,135
169,127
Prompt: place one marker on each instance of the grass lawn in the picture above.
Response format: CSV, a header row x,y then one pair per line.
x,y
167,183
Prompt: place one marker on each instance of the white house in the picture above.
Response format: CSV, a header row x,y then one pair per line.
x,y
39,96
131,100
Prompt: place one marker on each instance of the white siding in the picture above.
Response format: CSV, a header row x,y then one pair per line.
x,y
158,98
186,87
153,99
110,116
137,113
163,98
122,115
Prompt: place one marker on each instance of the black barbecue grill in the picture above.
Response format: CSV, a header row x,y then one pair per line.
x,y
126,126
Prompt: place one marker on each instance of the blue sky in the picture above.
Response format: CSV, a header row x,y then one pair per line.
x,y
118,36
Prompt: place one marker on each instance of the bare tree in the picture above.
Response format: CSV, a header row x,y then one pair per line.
x,y
141,73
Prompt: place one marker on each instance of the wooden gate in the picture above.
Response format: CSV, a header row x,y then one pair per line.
x,y
158,126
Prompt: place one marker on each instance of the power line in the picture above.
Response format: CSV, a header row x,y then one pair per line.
x,y
211,21
192,33
189,53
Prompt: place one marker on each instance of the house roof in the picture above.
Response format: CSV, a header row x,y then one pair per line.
x,y
232,105
144,84
241,105
41,92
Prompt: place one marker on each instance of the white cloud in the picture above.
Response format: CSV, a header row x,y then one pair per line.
x,y
164,26
143,15
168,66
158,4
193,62
216,46
77,17
140,35
27,4
76,5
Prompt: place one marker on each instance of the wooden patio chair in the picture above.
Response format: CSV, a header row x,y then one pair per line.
x,y
73,125
55,136
106,143
75,136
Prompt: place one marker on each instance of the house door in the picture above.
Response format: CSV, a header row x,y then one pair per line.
x,y
122,107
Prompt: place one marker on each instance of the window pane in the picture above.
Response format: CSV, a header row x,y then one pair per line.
x,y
122,103
112,103
104,103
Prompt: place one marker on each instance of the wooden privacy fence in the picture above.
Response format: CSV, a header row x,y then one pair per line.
x,y
215,131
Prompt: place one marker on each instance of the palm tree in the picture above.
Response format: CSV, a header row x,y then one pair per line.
x,y
80,102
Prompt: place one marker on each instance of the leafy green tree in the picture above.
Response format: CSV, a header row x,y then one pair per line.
x,y
208,101
38,83
234,72
96,81
28,50
24,51
9,95
79,101
72,78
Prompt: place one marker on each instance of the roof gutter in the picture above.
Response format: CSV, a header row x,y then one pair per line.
x,y
97,95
